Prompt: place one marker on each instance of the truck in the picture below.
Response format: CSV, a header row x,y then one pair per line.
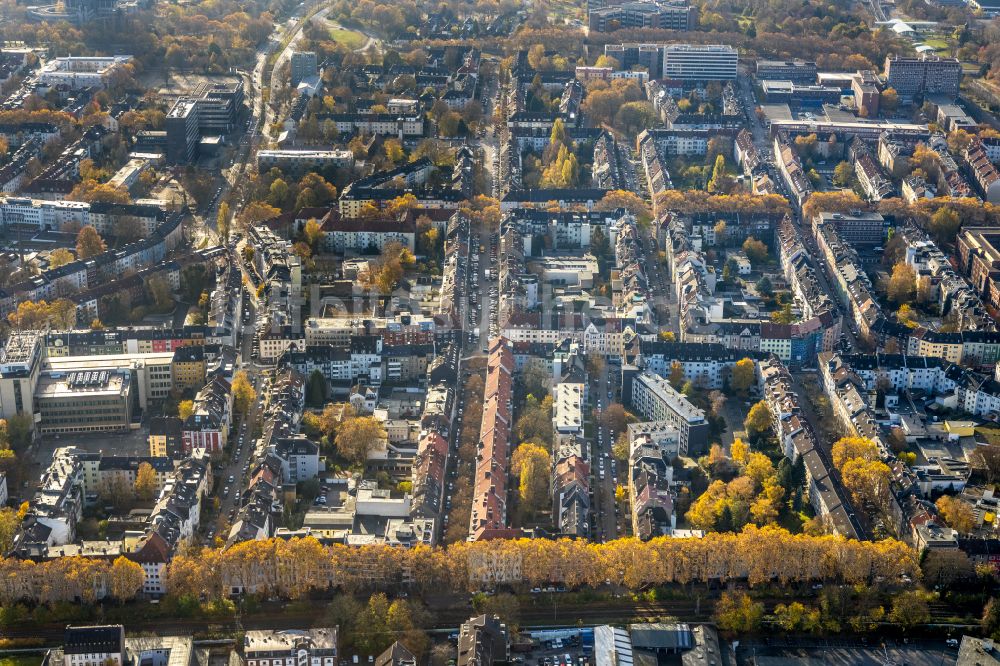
x,y
487,274
475,331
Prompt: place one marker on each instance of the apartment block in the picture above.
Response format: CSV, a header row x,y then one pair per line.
x,y
655,399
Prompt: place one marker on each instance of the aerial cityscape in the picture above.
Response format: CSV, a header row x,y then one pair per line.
x,y
462,333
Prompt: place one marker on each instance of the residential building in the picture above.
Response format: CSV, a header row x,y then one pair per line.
x,y
922,75
652,397
290,647
98,645
483,641
299,161
80,72
304,65
670,15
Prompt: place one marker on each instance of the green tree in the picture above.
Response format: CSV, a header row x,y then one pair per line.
x,y
764,287
316,389
720,182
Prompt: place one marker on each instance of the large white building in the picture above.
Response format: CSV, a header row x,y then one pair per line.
x,y
303,160
311,647
693,62
81,72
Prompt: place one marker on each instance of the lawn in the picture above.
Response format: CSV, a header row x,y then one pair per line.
x,y
21,660
937,43
352,39
990,433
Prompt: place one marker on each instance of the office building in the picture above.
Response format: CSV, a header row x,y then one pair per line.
x,y
923,75
629,56
797,71
692,62
182,131
213,108
86,401
304,65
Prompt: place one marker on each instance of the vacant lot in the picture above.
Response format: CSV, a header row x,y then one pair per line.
x,y
352,39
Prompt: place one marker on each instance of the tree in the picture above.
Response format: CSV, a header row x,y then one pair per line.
x,y
531,463
257,212
956,513
944,225
620,449
958,141
89,243
9,522
616,418
316,389
744,374
764,287
145,482
185,409
867,480
909,609
946,567
758,419
783,315
393,151
905,315
312,232
91,191
902,285
755,250
60,257
720,182
222,221
126,579
676,377
357,437
243,393
739,451
990,621
630,201
843,174
159,291
850,448
736,612
889,100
